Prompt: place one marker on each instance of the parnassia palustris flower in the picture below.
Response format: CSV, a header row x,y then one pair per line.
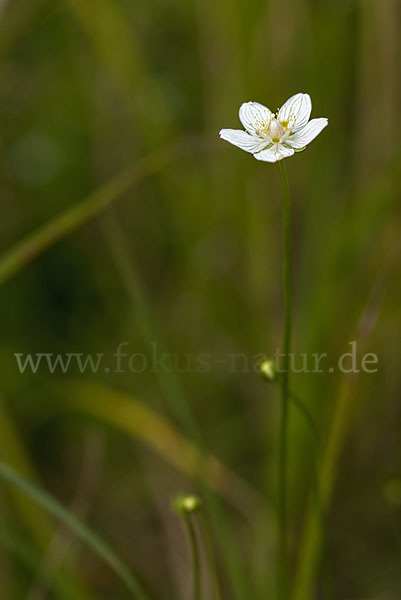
x,y
273,136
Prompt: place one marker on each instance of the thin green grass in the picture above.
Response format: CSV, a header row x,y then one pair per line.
x,y
172,388
12,450
82,531
29,248
58,583
312,540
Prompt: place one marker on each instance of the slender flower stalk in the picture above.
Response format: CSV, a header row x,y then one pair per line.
x,y
286,347
195,557
186,506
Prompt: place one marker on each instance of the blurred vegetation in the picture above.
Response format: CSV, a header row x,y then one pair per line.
x,y
126,219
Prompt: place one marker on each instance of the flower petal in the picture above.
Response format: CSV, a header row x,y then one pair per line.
x,y
254,116
302,138
242,139
275,153
296,111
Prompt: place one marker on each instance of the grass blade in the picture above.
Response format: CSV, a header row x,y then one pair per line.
x,y
180,405
81,530
28,556
71,219
12,450
133,417
311,542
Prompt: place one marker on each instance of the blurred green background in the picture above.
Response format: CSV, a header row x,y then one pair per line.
x,y
180,253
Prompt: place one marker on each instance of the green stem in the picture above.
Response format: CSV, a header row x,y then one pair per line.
x,y
286,347
296,400
195,556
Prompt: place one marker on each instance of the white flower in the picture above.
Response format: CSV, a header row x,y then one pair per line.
x,y
272,137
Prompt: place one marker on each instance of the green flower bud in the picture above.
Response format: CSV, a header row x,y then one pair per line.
x,y
268,370
186,503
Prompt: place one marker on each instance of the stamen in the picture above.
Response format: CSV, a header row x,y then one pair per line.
x,y
289,123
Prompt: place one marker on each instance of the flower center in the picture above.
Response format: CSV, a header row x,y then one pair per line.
x,y
275,130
